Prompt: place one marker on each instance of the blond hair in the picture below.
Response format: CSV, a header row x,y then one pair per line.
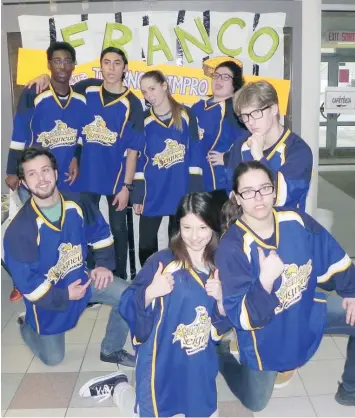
x,y
258,94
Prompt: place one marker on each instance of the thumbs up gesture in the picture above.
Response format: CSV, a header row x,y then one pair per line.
x,y
271,268
162,284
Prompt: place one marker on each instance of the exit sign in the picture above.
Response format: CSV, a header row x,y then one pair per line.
x,y
340,36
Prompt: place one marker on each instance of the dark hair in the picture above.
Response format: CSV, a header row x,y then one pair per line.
x,y
202,205
237,71
176,107
30,154
231,211
61,46
116,51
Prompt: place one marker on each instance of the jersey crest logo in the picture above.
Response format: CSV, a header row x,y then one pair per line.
x,y
294,282
70,258
194,337
174,153
60,136
98,132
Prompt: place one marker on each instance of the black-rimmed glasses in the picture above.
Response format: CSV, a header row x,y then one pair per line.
x,y
58,61
224,77
255,114
263,191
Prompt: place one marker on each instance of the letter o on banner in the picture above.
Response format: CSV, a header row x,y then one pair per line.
x,y
275,43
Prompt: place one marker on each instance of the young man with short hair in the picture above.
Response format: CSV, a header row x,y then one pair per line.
x,y
45,250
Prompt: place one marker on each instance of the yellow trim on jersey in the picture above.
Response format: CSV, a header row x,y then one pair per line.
x,y
17,146
278,143
58,101
335,268
113,101
195,276
92,89
195,171
289,215
256,350
258,240
103,243
36,318
139,176
214,334
145,181
223,113
41,96
39,292
79,97
207,107
32,136
281,192
135,342
69,204
118,177
319,300
128,111
156,119
154,359
44,219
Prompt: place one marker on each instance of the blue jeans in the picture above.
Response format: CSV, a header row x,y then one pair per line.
x,y
50,349
254,387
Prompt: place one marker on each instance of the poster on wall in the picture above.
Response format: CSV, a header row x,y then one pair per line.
x,y
185,45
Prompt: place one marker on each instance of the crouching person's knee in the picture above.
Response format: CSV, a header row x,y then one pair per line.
x,y
52,358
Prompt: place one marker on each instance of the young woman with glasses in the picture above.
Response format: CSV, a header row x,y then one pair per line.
x,y
282,151
218,126
270,263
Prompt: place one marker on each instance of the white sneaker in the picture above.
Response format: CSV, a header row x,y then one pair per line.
x,y
124,396
102,387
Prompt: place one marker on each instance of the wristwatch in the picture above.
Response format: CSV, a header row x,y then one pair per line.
x,y
128,186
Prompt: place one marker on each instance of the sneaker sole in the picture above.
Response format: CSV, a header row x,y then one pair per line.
x,y
98,379
344,402
284,384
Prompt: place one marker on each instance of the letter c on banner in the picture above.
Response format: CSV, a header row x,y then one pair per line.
x,y
275,43
224,27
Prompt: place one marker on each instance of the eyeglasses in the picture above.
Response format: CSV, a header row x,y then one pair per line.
x,y
58,61
255,114
224,77
250,194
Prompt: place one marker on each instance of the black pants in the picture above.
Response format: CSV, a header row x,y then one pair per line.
x,y
148,235
118,225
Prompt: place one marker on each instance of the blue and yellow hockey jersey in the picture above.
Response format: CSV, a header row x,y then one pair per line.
x,y
170,165
218,130
177,362
282,330
44,258
110,130
291,161
43,120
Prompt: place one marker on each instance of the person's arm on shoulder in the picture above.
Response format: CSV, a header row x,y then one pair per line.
x,y
246,302
81,86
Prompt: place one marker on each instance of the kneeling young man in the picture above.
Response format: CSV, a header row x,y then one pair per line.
x,y
45,249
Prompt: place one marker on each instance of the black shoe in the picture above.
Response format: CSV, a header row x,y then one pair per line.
x,y
223,347
103,386
343,397
119,357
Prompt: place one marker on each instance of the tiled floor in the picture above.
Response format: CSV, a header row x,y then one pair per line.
x,y
30,389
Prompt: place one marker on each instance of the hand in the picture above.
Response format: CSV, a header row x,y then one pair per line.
x,y
76,290
162,285
73,171
214,287
215,158
121,199
101,277
12,182
42,82
138,209
256,144
271,268
349,306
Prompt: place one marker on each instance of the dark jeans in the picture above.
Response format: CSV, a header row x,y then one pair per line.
x,y
50,349
118,225
148,235
254,388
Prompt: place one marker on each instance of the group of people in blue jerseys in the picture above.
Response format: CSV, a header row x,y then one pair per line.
x,y
243,254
